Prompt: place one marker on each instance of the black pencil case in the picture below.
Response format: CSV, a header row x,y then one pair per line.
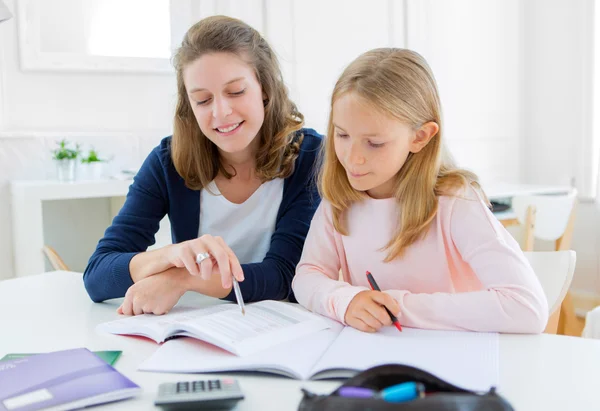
x,y
440,395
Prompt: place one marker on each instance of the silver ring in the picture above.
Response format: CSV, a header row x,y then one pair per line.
x,y
201,257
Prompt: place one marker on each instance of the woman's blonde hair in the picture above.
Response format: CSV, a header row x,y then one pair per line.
x,y
195,157
400,84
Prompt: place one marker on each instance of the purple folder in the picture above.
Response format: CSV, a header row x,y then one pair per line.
x,y
66,380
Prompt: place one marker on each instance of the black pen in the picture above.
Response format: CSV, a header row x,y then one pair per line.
x,y
375,287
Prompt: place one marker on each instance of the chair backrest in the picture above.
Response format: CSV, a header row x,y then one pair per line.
x,y
54,258
555,271
553,213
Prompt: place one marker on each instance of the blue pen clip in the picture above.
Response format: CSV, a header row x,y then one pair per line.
x,y
406,391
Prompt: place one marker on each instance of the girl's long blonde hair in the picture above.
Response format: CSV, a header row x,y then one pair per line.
x,y
195,157
400,84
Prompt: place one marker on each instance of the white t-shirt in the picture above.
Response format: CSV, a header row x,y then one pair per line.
x,y
246,228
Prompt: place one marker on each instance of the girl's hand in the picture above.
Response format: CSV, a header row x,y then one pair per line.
x,y
156,294
366,313
223,261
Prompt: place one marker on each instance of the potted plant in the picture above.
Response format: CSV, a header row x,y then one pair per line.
x,y
65,158
92,165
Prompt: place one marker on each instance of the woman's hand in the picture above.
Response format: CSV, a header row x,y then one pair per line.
x,y
366,313
223,261
156,294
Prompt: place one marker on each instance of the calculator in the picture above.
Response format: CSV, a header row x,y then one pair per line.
x,y
217,394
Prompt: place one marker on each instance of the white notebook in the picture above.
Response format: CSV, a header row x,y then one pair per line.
x,y
266,324
466,359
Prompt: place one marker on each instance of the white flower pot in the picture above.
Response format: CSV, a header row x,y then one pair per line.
x,y
65,170
91,171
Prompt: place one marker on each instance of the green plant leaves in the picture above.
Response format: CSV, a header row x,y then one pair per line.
x,y
63,152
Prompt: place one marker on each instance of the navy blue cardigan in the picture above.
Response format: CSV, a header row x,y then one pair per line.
x,y
158,189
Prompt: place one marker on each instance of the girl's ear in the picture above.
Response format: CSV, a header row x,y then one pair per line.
x,y
423,135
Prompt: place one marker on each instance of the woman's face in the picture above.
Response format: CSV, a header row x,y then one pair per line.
x,y
227,101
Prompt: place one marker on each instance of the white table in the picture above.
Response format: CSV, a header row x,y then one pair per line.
x,y
27,198
499,191
504,192
52,311
27,204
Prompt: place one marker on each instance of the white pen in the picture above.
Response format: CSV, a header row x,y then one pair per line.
x,y
238,296
236,286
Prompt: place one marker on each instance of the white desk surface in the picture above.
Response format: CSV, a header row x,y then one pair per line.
x,y
52,311
42,190
507,190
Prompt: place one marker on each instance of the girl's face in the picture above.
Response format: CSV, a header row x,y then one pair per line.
x,y
371,146
227,101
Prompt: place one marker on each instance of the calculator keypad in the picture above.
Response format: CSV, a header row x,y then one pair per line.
x,y
201,393
200,386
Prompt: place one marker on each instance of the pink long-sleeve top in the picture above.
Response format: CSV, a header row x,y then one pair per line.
x,y
467,273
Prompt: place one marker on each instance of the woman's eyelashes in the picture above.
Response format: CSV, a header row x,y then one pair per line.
x,y
232,93
371,144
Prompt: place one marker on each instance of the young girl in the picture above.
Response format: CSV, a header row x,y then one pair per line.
x,y
235,180
395,205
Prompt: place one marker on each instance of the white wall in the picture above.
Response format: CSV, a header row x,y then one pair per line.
x,y
121,115
557,64
323,48
473,49
80,101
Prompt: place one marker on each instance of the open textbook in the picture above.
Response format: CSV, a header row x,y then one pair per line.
x,y
467,359
266,324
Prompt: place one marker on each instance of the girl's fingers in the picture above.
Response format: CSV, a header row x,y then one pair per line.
x,y
390,302
369,319
361,325
379,313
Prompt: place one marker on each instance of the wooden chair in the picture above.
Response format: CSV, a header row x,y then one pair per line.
x,y
555,271
550,218
54,259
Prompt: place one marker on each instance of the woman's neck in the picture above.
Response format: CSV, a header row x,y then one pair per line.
x,y
243,163
241,167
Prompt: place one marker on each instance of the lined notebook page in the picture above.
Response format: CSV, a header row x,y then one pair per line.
x,y
266,324
466,359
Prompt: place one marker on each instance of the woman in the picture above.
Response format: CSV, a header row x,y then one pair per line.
x,y
236,179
